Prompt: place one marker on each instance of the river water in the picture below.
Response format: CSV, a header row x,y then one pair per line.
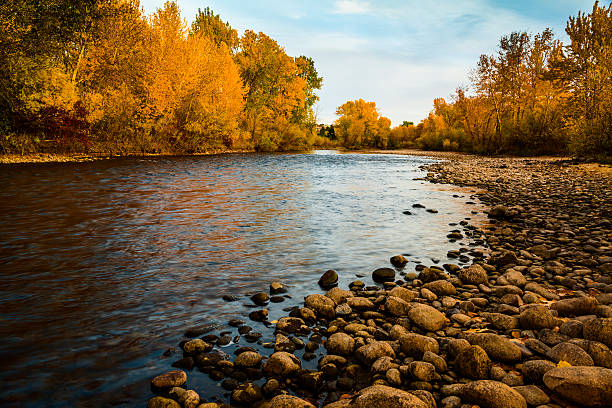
x,y
103,265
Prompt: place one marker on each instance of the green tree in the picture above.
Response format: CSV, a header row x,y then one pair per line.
x,y
209,24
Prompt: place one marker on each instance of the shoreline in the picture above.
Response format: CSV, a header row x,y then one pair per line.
x,y
519,327
37,158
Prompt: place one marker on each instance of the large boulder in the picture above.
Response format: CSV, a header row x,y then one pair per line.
x,y
426,317
492,394
587,386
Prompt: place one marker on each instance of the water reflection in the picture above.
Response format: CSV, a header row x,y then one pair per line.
x,y
104,264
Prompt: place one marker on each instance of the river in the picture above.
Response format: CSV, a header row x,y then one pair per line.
x,y
103,265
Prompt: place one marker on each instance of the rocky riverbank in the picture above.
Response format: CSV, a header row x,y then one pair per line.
x,y
528,324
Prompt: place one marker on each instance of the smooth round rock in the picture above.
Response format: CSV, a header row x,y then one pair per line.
x,y
587,386
174,378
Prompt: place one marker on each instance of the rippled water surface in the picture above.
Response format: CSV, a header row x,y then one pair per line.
x,y
104,265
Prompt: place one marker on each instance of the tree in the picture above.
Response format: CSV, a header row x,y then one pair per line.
x,y
360,125
210,25
589,68
275,89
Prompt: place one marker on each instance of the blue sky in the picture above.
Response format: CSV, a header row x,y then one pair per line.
x,y
399,54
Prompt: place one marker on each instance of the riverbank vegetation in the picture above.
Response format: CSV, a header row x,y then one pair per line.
x,y
98,76
535,95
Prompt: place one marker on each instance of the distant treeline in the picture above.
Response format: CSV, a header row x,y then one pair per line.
x,y
536,95
99,76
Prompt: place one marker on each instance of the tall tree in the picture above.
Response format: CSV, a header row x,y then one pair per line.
x,y
210,25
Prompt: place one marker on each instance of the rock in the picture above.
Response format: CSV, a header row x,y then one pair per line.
x,y
540,290
174,378
322,305
588,386
501,321
161,402
246,394
426,317
282,364
328,279
259,315
492,394
416,345
599,330
338,295
369,353
394,377
260,298
290,324
473,275
187,398
248,359
441,288
534,396
380,396
497,347
396,306
360,303
405,294
436,360
599,352
383,275
570,353
537,317
514,277
533,370
578,306
197,346
277,287
398,261
288,401
432,274
340,343
473,363
422,371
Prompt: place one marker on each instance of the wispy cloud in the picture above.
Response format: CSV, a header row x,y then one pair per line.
x,y
351,7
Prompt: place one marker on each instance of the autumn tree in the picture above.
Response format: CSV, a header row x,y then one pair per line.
x,y
588,65
275,87
196,92
360,125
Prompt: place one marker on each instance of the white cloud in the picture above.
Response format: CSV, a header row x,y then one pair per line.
x,y
351,7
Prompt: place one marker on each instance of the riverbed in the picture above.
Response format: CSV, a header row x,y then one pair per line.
x,y
104,265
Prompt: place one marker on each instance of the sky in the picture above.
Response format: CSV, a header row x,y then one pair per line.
x,y
399,54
